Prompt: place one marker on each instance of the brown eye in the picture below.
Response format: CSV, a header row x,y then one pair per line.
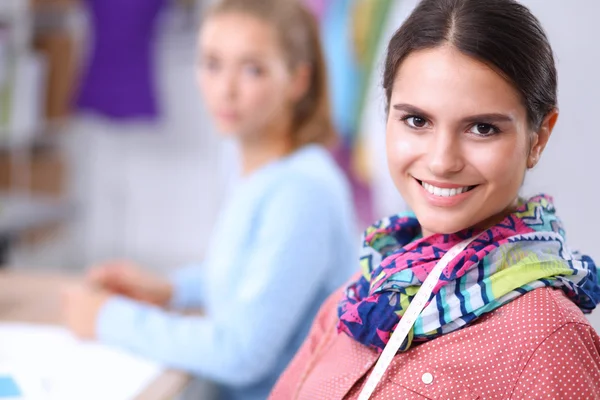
x,y
416,122
253,70
484,129
210,64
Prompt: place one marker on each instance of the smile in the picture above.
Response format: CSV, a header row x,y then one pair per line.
x,y
445,192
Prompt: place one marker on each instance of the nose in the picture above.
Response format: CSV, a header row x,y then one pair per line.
x,y
445,154
227,84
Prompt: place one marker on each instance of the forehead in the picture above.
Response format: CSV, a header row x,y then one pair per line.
x,y
236,32
446,81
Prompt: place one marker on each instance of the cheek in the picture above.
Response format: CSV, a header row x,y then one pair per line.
x,y
265,100
502,165
257,94
206,87
401,148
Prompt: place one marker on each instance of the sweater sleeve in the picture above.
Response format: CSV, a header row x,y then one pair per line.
x,y
287,265
565,366
188,287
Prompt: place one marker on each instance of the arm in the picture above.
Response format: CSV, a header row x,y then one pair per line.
x,y
566,366
188,287
285,269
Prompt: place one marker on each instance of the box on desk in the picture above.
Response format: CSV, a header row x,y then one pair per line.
x,y
47,179
47,173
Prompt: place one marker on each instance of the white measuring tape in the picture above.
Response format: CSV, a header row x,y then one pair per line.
x,y
407,321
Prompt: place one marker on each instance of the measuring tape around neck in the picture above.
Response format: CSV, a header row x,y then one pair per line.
x,y
409,318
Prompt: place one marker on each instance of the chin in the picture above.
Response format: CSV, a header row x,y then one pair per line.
x,y
442,224
227,130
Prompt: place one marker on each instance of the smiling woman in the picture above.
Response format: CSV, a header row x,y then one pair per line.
x,y
471,89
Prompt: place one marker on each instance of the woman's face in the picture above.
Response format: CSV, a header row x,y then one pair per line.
x,y
458,141
243,74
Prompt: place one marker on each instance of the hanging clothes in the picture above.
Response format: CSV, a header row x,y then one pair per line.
x,y
318,7
119,80
343,68
370,139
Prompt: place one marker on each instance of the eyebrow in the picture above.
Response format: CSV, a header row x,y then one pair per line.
x,y
252,58
245,59
487,117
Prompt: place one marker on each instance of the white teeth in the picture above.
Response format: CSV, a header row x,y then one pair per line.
x,y
442,192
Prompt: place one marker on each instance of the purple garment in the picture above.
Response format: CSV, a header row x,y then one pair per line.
x,y
318,7
119,80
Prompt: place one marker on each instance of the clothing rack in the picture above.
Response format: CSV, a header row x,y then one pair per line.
x,y
20,210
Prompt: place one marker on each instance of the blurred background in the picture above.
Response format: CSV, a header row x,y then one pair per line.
x,y
106,150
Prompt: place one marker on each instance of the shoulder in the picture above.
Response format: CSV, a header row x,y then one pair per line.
x,y
296,191
570,347
310,175
530,319
544,328
316,164
555,319
295,200
546,307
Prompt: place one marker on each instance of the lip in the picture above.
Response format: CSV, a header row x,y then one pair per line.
x,y
442,184
439,201
227,115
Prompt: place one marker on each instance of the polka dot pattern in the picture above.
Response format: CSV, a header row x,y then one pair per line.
x,y
539,346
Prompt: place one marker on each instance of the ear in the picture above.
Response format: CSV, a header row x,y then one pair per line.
x,y
300,81
541,137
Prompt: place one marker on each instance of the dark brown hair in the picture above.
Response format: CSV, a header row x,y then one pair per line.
x,y
500,33
298,33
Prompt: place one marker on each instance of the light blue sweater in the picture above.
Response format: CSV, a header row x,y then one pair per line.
x,y
283,243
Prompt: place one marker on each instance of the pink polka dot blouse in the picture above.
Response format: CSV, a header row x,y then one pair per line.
x,y
539,346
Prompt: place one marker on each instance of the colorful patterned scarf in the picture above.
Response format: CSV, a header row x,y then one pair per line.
x,y
524,252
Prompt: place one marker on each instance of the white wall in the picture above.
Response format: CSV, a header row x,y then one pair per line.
x,y
569,169
570,165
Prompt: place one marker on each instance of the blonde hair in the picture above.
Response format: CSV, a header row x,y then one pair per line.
x,y
298,33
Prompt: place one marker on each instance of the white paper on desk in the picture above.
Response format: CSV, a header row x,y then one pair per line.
x,y
69,369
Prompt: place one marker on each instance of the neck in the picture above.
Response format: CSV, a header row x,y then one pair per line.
x,y
496,219
258,153
489,222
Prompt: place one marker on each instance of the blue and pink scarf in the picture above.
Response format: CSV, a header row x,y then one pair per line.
x,y
524,252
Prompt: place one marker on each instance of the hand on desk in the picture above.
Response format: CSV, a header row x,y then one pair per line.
x,y
81,305
127,279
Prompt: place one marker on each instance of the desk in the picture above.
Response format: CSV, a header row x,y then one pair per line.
x,y
35,298
19,213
